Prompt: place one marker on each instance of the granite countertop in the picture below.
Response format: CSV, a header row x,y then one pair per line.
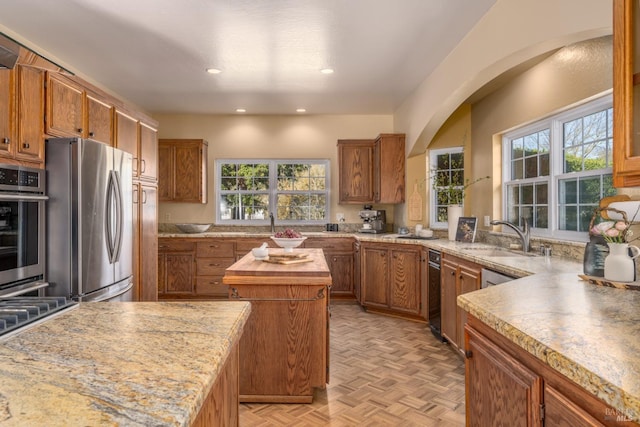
x,y
118,363
512,263
588,333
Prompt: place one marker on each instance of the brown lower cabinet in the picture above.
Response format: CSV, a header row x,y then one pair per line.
x,y
457,277
505,385
338,252
391,279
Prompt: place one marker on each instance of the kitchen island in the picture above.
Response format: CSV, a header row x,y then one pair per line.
x,y
284,351
565,346
128,364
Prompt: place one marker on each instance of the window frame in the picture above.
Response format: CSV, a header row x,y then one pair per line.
x,y
555,124
272,192
433,167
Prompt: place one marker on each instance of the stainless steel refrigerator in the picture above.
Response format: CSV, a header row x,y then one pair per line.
x,y
89,220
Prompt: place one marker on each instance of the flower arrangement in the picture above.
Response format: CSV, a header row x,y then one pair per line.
x,y
613,231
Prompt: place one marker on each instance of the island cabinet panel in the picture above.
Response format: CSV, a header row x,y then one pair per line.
x,y
506,385
391,279
176,268
221,407
458,276
500,388
284,348
338,252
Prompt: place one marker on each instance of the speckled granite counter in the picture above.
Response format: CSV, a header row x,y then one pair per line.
x,y
588,333
118,363
512,263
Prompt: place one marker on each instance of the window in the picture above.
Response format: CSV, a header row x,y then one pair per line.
x,y
558,169
295,191
446,179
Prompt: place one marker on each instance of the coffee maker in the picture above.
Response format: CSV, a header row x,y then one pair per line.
x,y
374,220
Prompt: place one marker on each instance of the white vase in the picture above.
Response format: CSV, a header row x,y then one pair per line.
x,y
454,212
618,265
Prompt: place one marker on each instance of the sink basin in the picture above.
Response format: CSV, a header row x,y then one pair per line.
x,y
496,252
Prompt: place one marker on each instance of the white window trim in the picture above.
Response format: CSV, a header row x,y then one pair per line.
x,y
273,163
433,213
554,123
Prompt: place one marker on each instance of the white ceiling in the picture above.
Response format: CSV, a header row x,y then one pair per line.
x,y
155,52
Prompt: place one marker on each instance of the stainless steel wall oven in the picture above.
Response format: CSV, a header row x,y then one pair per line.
x,y
22,229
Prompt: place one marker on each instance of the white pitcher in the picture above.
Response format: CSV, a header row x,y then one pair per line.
x,y
618,265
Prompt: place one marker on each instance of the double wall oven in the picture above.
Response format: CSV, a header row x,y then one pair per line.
x,y
22,250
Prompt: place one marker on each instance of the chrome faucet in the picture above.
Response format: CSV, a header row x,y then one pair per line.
x,y
273,222
524,234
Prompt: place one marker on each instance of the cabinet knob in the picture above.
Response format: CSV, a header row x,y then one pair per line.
x,y
25,145
91,134
468,354
453,273
335,259
79,130
6,140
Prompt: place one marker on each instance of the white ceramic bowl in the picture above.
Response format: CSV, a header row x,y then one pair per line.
x,y
425,232
260,253
288,244
193,228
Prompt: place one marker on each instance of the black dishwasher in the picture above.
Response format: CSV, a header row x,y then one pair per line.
x,y
434,293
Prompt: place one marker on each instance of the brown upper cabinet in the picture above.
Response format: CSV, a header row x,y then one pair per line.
x,y
372,171
29,114
148,152
126,136
74,112
6,108
626,93
183,170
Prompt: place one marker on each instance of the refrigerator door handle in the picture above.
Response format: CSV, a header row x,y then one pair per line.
x,y
115,217
119,198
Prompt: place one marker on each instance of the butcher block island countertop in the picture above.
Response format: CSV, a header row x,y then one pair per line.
x,y
284,351
125,364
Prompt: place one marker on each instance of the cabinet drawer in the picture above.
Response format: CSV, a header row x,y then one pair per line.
x,y
167,245
215,248
330,244
211,285
212,266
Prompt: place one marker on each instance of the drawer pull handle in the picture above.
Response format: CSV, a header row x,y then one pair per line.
x,y
25,145
235,295
214,265
6,141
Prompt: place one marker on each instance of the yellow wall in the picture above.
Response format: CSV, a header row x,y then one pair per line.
x,y
570,75
306,137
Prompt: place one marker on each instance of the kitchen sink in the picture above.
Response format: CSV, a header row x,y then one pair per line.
x,y
496,252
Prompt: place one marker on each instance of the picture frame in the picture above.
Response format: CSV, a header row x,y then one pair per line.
x,y
466,230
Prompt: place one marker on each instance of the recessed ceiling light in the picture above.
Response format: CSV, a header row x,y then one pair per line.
x,y
327,71
301,110
213,71
240,110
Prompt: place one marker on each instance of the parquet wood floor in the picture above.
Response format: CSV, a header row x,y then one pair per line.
x,y
384,372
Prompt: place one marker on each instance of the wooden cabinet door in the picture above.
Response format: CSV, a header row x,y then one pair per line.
x,y
390,168
501,390
179,273
148,152
375,274
166,176
449,308
404,294
30,113
148,243
99,120
126,137
6,109
468,281
65,102
355,162
561,411
188,172
135,219
341,266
